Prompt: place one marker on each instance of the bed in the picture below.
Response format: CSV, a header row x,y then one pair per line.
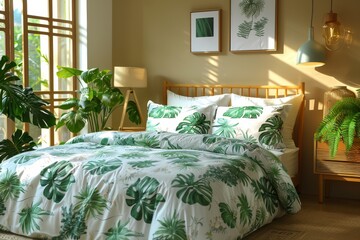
x,y
265,95
183,183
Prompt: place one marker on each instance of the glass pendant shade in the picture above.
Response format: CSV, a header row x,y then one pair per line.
x,y
332,32
311,53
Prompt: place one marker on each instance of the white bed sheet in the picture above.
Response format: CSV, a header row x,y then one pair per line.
x,y
289,157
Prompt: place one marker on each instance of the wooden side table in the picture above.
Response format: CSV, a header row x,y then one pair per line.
x,y
342,167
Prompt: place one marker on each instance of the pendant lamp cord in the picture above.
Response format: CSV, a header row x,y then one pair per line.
x,y
312,13
331,5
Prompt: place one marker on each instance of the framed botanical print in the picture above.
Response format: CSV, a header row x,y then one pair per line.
x,y
205,31
253,25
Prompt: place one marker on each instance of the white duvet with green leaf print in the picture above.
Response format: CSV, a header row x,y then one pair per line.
x,y
112,185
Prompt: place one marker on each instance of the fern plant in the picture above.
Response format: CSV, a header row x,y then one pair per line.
x,y
342,123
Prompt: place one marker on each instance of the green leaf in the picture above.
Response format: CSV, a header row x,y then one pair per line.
x,y
90,75
96,102
66,72
74,121
21,142
21,103
133,112
69,103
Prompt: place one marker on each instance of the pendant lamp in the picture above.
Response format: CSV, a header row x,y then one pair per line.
x,y
332,31
311,53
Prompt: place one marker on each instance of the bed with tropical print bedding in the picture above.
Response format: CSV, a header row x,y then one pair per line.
x,y
144,185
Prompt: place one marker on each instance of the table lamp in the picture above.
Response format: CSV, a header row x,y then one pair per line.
x,y
130,77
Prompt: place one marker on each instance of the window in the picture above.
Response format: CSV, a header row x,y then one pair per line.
x,y
40,35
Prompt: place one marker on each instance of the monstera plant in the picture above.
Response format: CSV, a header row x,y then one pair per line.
x,y
96,102
342,123
19,103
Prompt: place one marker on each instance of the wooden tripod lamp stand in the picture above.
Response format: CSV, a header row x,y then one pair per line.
x,y
130,77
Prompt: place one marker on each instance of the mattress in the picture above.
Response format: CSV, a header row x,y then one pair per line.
x,y
289,158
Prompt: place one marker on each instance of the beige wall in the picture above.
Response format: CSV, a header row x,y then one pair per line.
x,y
155,34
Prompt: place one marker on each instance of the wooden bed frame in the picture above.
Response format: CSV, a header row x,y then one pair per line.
x,y
265,91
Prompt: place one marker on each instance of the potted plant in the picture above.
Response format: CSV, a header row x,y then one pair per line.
x,y
96,102
21,104
342,123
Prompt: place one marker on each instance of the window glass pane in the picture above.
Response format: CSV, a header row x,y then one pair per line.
x,y
38,62
62,9
38,7
18,19
63,57
3,126
2,43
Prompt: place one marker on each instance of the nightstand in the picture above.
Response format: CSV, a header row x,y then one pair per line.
x,y
341,167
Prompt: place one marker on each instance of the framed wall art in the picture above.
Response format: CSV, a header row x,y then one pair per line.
x,y
205,31
253,25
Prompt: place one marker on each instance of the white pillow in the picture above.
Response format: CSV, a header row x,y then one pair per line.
x,y
174,99
194,119
289,122
257,124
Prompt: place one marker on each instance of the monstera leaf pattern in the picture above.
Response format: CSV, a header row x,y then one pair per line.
x,y
165,112
252,124
225,128
191,119
244,112
195,123
145,185
192,191
56,179
102,166
144,198
271,131
228,215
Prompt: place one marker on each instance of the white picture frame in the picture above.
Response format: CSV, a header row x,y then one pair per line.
x,y
253,29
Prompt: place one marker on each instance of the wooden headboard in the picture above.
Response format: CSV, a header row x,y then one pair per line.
x,y
264,91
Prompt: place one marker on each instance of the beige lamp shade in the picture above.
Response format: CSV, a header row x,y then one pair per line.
x,y
130,77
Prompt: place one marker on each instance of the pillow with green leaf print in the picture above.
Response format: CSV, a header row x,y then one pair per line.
x,y
257,124
193,119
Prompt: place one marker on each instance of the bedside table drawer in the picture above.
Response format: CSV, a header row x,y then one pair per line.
x,y
334,167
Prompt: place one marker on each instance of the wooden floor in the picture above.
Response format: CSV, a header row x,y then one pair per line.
x,y
335,219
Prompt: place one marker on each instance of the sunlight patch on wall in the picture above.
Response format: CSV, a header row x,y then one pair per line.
x,y
213,69
276,79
